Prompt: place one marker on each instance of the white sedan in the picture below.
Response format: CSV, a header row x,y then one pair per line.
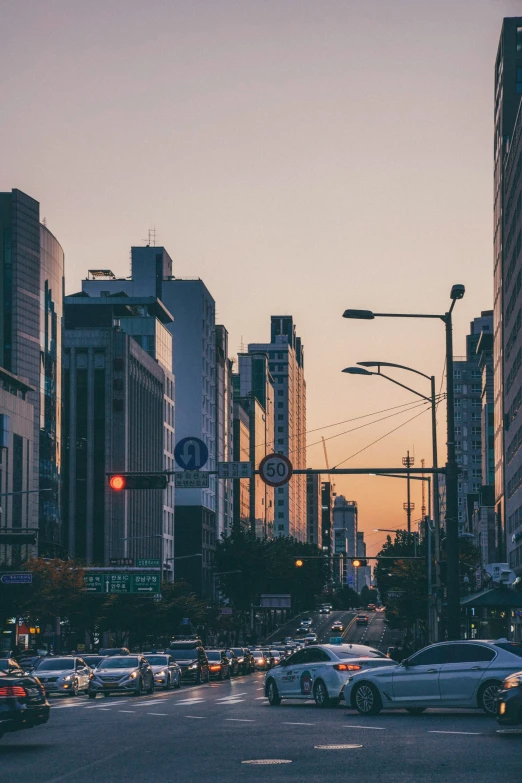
x,y
320,672
465,674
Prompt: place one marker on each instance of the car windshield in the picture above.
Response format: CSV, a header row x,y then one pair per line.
x,y
512,647
238,651
55,665
127,662
157,660
92,660
213,655
184,655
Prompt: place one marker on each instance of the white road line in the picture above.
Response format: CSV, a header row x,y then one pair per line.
x,y
288,723
188,702
229,701
106,709
469,733
195,717
373,728
241,720
260,689
156,713
260,698
130,712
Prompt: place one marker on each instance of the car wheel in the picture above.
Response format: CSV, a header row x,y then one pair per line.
x,y
321,694
169,683
208,676
366,699
178,682
93,695
272,693
487,697
415,710
139,689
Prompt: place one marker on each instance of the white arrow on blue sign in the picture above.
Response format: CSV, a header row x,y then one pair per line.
x,y
17,579
191,453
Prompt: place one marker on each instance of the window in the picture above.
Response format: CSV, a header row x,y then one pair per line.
x,y
430,656
280,429
457,375
280,392
280,417
297,658
317,656
519,39
458,388
469,653
281,516
458,432
280,502
280,404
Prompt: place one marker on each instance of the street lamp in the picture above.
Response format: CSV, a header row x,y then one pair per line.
x,y
360,369
452,530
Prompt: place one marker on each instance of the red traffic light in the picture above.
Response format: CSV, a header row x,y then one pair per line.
x,y
117,483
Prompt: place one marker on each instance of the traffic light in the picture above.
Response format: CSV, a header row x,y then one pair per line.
x,y
121,481
358,562
18,538
299,563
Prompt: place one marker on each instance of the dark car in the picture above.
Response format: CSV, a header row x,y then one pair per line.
x,y
22,703
108,651
10,666
122,674
218,665
361,619
93,660
245,659
233,662
509,701
192,659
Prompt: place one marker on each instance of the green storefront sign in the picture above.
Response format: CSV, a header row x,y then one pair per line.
x,y
148,562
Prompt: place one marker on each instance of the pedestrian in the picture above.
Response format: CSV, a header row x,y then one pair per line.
x,y
16,652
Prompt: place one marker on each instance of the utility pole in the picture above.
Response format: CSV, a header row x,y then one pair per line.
x,y
408,463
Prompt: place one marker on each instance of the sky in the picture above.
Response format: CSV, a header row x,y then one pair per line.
x,y
300,156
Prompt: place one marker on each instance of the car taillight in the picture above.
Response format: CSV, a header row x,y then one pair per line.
x,y
12,692
347,667
216,667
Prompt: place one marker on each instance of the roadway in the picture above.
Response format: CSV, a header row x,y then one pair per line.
x,y
321,625
214,732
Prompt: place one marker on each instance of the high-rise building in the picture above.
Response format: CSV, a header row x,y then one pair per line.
x,y
200,519
345,522
118,393
314,516
507,273
468,420
224,431
31,292
286,357
363,574
327,499
241,496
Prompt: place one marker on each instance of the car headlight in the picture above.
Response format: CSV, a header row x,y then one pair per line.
x,y
69,677
160,674
133,675
193,666
512,682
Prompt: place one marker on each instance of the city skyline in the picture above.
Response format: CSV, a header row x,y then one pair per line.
x,y
177,145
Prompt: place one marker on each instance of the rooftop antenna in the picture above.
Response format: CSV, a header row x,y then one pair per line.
x,y
242,346
151,241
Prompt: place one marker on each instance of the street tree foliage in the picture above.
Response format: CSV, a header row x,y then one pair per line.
x,y
248,566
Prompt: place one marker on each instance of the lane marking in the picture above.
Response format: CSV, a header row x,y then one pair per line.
x,y
195,717
267,761
468,733
260,698
241,720
289,723
336,747
373,728
129,712
258,689
106,709
157,713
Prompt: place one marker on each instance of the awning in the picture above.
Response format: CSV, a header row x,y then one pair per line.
x,y
501,597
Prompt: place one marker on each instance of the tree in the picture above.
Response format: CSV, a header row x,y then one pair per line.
x,y
368,596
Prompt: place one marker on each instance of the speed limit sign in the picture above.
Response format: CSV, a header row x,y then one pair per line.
x,y
275,470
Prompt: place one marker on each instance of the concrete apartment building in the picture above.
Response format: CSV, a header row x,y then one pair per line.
x,y
286,363
507,349
118,415
31,292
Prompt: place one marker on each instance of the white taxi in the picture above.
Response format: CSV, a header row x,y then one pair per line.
x,y
319,672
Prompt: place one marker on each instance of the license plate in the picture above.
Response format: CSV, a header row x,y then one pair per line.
x,y
107,685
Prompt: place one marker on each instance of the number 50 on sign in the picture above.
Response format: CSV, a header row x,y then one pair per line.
x,y
275,470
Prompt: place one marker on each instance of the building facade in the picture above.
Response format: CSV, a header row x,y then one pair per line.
x,y
507,268
16,466
31,292
118,416
241,496
314,512
345,523
286,363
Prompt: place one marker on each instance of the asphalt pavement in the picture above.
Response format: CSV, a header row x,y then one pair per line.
x,y
321,625
228,732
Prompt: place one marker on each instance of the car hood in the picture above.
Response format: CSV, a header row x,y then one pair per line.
x,y
115,672
159,667
53,673
186,661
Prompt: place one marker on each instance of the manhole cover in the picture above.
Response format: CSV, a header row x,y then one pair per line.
x,y
267,761
336,747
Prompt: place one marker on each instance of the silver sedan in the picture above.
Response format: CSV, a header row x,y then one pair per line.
x,y
67,675
167,673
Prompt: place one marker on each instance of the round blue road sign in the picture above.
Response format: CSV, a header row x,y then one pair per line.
x,y
191,453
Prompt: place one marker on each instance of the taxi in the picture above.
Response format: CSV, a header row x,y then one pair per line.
x,y
319,672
